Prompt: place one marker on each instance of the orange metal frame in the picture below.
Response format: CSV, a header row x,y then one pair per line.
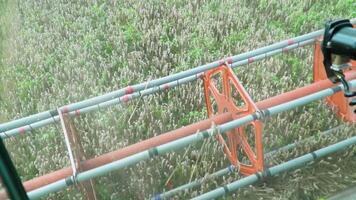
x,y
222,101
173,135
226,111
237,139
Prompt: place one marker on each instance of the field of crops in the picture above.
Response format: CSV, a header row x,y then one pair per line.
x,y
53,53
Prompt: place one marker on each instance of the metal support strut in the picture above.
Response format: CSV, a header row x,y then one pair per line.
x,y
224,93
76,155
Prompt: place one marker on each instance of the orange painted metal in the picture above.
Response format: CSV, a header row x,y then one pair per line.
x,y
301,92
338,100
221,98
125,152
184,131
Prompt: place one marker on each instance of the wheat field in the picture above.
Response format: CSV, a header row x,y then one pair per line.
x,y
53,53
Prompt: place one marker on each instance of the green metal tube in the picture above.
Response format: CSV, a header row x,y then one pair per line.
x,y
9,177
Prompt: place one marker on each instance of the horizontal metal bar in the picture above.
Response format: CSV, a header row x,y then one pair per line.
x,y
242,59
284,167
137,147
135,95
231,168
125,151
183,142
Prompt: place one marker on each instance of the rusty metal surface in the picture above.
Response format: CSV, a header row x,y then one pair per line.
x,y
87,187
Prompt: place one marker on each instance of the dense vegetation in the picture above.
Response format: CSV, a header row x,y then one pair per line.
x,y
57,52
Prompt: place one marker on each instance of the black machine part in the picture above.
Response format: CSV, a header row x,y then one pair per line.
x,y
339,41
344,43
339,47
9,176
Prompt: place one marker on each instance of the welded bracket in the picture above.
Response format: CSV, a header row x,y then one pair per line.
x,y
224,93
76,154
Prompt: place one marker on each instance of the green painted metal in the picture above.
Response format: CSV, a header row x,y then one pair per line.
x,y
9,176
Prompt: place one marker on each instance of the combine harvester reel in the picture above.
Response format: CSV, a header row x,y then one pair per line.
x,y
334,58
236,118
225,94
